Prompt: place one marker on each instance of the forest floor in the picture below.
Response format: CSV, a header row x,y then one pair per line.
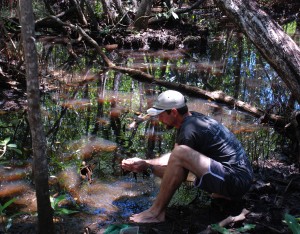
x,y
274,192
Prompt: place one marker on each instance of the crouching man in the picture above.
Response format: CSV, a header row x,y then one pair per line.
x,y
203,147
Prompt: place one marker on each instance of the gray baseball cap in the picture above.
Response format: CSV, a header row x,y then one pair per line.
x,y
166,101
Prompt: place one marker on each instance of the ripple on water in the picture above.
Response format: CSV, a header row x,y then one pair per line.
x,y
122,197
119,197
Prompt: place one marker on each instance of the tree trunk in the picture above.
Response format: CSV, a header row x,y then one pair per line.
x,y
108,11
274,44
40,165
142,15
93,17
81,16
238,63
124,16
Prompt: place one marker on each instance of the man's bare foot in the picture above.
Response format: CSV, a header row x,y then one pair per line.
x,y
148,217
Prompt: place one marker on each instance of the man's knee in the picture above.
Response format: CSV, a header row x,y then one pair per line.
x,y
181,150
190,159
184,150
181,153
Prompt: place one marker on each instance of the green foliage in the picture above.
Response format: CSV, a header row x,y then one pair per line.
x,y
115,228
39,9
245,228
9,24
290,28
168,14
3,207
218,228
58,210
258,143
184,195
4,146
293,223
98,8
7,220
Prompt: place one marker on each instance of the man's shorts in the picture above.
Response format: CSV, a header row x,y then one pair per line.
x,y
224,180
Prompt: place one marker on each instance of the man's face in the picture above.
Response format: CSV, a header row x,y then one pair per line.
x,y
167,119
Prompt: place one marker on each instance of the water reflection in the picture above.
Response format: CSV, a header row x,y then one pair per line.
x,y
76,104
13,188
108,197
103,189
93,145
13,174
93,121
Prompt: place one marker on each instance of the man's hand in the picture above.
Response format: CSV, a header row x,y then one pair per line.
x,y
134,165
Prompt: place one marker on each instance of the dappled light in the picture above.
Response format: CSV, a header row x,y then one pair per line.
x,y
14,188
88,146
76,104
87,151
99,197
12,174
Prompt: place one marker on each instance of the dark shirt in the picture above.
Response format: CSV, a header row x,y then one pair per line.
x,y
214,140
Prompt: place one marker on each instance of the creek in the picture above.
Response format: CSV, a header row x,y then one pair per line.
x,y
92,120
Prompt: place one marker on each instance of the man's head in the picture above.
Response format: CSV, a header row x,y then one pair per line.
x,y
170,106
167,100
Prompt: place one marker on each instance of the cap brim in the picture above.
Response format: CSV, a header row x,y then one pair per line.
x,y
153,111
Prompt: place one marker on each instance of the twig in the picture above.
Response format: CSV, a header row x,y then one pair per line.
x,y
269,227
227,221
287,187
234,219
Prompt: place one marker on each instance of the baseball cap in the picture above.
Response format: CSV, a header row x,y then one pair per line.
x,y
166,101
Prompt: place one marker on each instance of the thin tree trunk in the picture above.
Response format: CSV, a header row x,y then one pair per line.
x,y
93,17
123,13
238,62
281,52
81,16
108,11
100,94
88,110
142,15
40,164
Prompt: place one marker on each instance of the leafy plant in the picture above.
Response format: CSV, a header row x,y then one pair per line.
x,y
4,146
7,220
290,28
218,228
170,13
58,210
293,223
3,207
223,230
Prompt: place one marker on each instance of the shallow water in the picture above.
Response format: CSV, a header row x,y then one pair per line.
x,y
89,115
109,195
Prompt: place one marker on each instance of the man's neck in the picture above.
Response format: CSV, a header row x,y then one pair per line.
x,y
186,114
182,118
